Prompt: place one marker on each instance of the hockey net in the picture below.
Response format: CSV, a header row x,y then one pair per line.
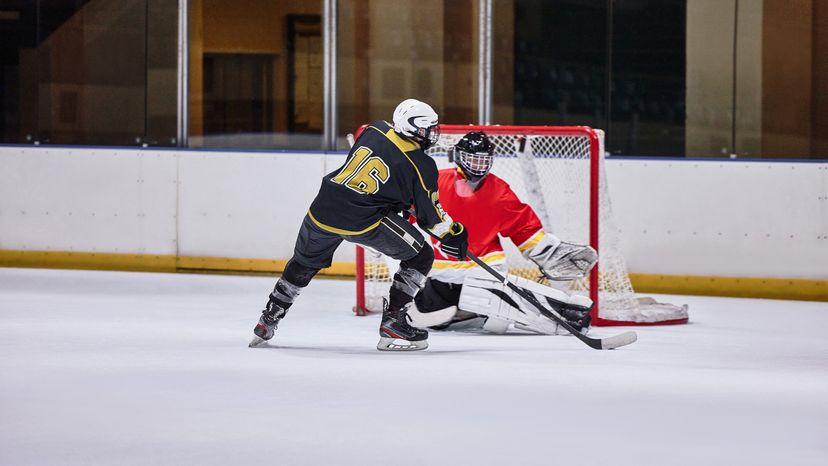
x,y
560,172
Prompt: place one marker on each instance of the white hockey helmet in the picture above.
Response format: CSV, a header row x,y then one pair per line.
x,y
418,121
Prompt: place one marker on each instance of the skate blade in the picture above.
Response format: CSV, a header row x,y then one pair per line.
x,y
397,344
257,343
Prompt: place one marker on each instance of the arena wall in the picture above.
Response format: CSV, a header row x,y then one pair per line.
x,y
727,227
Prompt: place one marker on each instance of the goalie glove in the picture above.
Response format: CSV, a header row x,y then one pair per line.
x,y
558,260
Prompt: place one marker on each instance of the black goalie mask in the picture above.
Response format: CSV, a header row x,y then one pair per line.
x,y
474,154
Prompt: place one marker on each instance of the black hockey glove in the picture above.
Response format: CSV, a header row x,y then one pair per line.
x,y
578,317
455,242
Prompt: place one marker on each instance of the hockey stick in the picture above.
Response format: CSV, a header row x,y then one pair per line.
x,y
615,341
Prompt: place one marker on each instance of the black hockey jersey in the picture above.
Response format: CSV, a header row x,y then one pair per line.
x,y
384,173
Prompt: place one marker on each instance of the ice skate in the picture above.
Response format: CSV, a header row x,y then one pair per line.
x,y
268,323
397,335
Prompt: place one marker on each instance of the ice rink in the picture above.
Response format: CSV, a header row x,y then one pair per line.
x,y
116,368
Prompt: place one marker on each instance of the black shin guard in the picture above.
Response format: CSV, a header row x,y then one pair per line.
x,y
294,279
410,278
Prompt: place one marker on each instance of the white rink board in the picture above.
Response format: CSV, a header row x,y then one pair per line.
x,y
247,205
725,218
708,218
88,200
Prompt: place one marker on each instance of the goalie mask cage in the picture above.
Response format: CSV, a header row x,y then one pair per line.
x,y
559,171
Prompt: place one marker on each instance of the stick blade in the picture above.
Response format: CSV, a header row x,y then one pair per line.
x,y
617,341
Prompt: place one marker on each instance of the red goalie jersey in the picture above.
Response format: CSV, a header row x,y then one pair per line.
x,y
490,210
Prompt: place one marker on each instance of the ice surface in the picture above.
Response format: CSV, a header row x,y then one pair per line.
x,y
111,368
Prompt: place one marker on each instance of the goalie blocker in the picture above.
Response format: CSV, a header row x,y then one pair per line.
x,y
501,307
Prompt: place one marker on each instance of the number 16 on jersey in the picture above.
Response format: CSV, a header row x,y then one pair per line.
x,y
363,173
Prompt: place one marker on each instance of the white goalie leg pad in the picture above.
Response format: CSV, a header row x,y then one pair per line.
x,y
496,325
543,326
483,294
430,319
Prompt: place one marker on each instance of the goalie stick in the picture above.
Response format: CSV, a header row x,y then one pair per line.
x,y
615,341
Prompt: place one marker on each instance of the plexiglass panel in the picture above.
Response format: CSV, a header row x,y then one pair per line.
x,y
389,51
88,72
256,74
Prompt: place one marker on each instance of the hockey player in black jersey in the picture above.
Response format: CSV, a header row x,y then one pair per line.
x,y
386,172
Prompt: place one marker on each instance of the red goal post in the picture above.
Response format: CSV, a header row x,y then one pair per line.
x,y
559,171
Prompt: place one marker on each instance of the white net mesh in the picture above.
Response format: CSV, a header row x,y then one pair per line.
x,y
551,173
378,272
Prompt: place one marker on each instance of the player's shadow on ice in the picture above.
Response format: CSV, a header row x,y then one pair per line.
x,y
351,351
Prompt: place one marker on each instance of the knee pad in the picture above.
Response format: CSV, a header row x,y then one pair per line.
x,y
298,274
422,261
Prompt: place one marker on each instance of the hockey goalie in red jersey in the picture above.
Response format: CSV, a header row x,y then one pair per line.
x,y
458,294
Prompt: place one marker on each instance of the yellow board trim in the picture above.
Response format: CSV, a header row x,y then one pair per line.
x,y
228,264
152,263
88,261
340,231
737,287
741,287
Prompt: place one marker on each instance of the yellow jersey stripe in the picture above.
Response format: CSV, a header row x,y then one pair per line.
x,y
532,241
489,259
402,144
340,231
